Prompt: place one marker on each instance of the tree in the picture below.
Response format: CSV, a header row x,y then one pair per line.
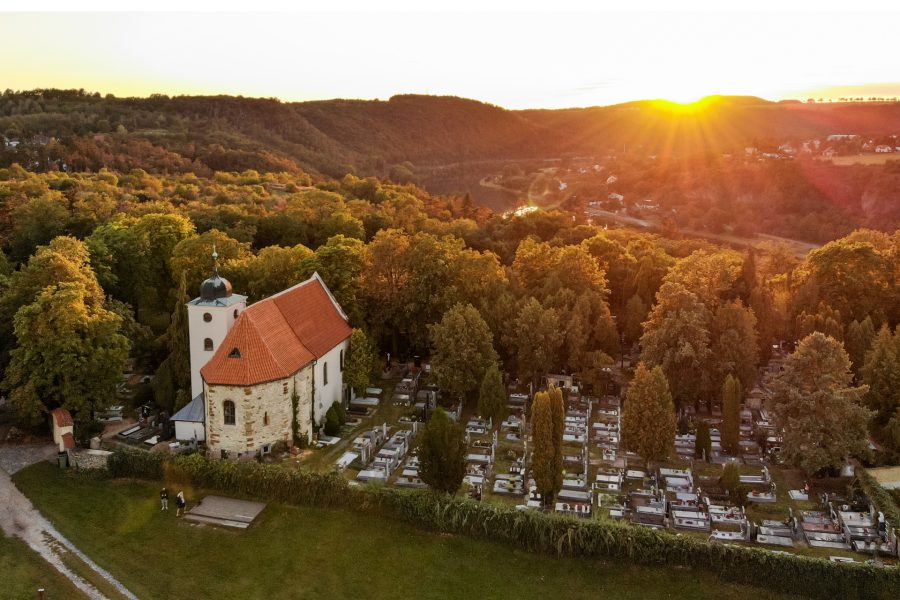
x,y
648,420
462,350
676,338
492,397
361,361
731,414
172,384
731,481
192,256
816,407
70,353
442,453
537,338
635,315
703,443
546,459
857,342
735,347
881,373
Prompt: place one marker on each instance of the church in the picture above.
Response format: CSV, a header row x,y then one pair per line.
x,y
256,369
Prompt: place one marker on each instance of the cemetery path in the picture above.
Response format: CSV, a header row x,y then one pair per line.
x,y
20,519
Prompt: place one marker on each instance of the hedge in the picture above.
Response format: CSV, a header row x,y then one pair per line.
x,y
879,497
531,530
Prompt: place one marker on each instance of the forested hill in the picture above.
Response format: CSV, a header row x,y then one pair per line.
x,y
83,131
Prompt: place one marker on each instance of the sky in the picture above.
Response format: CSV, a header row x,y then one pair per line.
x,y
540,57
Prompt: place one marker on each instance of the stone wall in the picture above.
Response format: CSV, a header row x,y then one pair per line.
x,y
263,414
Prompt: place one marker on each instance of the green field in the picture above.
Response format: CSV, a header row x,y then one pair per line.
x,y
23,571
295,552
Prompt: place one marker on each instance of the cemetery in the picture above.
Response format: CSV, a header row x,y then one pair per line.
x,y
603,481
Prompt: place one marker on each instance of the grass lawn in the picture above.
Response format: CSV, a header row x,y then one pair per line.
x,y
295,552
23,571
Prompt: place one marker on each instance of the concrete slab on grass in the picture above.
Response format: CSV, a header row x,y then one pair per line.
x,y
228,512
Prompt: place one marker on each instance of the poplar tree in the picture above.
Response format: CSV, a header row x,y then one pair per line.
x,y
731,414
546,461
648,420
492,396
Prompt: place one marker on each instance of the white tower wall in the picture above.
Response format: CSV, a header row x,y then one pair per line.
x,y
221,318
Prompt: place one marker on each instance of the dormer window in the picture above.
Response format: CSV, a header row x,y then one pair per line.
x,y
235,353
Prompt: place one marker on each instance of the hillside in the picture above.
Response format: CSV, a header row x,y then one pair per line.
x,y
336,136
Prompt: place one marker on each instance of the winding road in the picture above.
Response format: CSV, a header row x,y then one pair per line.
x,y
20,519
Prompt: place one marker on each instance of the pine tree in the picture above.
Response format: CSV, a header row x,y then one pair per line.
x,y
731,414
648,420
492,396
442,453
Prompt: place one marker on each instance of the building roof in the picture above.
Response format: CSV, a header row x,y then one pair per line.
x,y
192,412
62,417
276,337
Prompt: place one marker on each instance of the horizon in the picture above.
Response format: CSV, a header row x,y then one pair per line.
x,y
514,60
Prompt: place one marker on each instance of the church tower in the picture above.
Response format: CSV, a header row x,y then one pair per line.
x,y
209,318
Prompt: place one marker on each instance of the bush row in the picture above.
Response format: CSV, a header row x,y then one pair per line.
x,y
531,530
879,497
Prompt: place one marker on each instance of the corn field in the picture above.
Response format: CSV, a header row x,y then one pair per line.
x,y
531,530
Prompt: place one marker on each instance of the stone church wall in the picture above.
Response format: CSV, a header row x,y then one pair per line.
x,y
263,414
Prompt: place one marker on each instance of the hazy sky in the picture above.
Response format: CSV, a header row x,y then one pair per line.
x,y
516,60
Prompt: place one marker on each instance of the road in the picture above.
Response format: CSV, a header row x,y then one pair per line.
x,y
801,248
20,519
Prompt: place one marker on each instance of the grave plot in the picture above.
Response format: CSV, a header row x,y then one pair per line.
x,y
774,533
380,455
762,487
226,512
648,508
821,530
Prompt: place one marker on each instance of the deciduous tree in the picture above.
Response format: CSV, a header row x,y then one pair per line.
x,y
70,353
462,350
818,410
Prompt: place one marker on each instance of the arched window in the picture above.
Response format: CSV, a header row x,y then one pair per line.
x,y
235,313
266,419
228,412
207,344
342,360
324,373
207,317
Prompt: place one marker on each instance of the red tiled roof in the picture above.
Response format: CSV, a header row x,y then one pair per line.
x,y
277,336
68,441
62,417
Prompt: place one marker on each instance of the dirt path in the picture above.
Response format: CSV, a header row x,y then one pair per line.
x,y
19,518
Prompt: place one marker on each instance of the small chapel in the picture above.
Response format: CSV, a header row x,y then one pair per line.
x,y
256,369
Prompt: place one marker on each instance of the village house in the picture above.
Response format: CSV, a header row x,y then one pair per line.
x,y
258,370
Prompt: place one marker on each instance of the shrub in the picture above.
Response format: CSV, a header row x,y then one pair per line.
x,y
530,530
332,421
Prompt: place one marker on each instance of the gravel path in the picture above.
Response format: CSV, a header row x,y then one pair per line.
x,y
19,518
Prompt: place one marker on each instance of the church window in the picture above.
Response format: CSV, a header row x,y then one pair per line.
x,y
342,360
235,353
228,411
207,317
207,344
235,313
266,419
324,373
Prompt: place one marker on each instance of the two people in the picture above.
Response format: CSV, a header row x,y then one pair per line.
x,y
180,502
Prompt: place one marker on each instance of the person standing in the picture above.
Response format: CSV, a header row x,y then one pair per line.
x,y
164,499
179,504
